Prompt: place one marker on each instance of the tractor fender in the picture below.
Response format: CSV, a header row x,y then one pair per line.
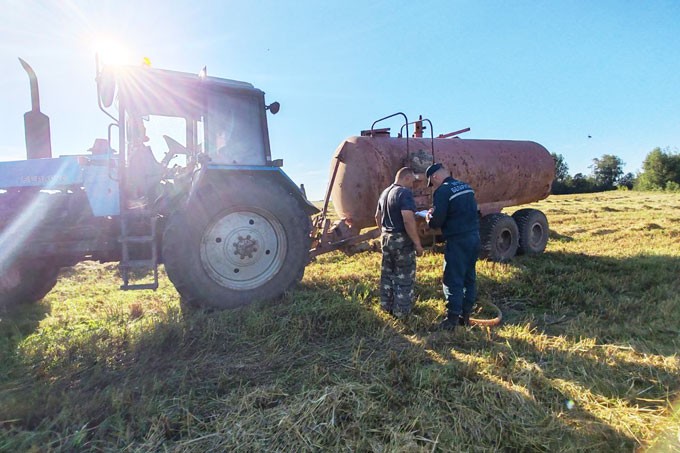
x,y
215,174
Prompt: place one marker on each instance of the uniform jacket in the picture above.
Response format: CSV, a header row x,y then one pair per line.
x,y
455,209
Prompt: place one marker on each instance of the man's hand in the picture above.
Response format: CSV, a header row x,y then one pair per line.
x,y
428,216
412,231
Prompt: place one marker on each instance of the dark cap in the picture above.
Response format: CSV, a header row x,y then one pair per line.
x,y
431,170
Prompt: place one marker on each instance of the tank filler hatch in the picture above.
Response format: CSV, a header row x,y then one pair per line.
x,y
384,132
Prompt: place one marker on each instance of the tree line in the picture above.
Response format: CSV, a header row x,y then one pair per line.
x,y
660,171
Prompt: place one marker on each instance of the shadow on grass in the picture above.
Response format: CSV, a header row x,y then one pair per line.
x,y
555,236
16,323
325,369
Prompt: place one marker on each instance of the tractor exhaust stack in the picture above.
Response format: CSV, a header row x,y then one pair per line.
x,y
36,123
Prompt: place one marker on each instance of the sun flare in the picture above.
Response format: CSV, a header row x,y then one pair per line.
x,y
111,51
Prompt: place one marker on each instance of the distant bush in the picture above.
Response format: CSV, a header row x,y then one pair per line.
x,y
579,183
672,186
626,181
660,171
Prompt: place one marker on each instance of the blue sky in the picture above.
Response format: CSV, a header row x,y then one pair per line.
x,y
552,72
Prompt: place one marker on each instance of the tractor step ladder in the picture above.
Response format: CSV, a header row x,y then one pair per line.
x,y
146,243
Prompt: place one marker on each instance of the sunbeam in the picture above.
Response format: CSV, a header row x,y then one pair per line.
x,y
20,230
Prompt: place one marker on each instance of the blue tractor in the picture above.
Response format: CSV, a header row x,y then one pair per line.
x,y
184,178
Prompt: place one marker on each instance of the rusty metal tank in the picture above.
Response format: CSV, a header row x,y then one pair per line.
x,y
502,172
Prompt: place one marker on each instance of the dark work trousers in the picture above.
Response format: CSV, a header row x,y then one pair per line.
x,y
398,273
460,277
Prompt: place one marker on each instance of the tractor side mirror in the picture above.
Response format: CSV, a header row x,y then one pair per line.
x,y
274,107
106,84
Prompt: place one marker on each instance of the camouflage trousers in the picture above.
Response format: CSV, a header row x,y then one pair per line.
x,y
398,273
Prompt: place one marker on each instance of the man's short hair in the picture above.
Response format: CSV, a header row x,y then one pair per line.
x,y
404,172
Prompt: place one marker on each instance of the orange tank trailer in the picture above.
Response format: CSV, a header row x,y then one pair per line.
x,y
503,173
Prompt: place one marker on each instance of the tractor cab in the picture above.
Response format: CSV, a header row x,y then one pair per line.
x,y
172,120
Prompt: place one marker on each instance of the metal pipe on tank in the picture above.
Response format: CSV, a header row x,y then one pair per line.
x,y
419,129
406,123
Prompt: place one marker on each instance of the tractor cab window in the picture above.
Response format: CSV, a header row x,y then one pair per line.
x,y
165,139
234,131
167,135
158,147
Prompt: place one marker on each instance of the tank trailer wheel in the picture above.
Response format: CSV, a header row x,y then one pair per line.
x,y
499,237
236,246
533,231
26,282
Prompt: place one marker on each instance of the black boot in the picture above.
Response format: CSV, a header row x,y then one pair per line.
x,y
464,319
449,323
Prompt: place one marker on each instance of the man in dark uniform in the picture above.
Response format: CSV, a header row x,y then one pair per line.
x,y
400,244
455,212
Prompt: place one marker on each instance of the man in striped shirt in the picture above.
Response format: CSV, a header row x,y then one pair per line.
x,y
455,212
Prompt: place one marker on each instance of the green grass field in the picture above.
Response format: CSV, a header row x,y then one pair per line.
x,y
586,359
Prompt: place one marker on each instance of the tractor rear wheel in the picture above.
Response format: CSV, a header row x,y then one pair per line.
x,y
499,237
26,282
533,231
236,244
